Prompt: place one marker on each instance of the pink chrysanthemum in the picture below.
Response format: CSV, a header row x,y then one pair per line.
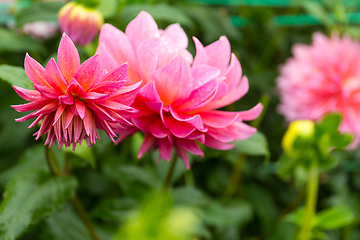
x,y
322,78
177,101
72,101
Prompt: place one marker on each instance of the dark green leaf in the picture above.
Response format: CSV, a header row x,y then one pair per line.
x,y
31,196
15,76
83,152
114,209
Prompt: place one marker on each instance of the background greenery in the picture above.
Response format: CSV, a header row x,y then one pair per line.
x,y
227,195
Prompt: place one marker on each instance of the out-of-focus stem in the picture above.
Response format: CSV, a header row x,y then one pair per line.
x,y
310,208
170,173
234,178
48,162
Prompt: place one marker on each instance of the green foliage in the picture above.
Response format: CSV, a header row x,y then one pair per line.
x,y
31,196
15,76
11,42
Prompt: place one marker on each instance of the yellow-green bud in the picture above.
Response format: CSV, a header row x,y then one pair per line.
x,y
298,128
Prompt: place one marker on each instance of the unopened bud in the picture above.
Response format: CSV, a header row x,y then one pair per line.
x,y
300,128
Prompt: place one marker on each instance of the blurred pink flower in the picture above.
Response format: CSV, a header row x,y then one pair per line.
x,y
323,78
41,29
79,22
177,101
72,101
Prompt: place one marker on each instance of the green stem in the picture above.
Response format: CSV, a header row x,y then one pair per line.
x,y
170,173
48,162
82,214
234,178
310,208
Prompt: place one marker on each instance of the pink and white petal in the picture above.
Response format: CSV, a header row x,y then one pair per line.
x,y
149,93
200,57
241,130
252,113
218,54
106,88
59,113
147,55
233,73
68,58
30,106
147,143
107,61
198,97
165,148
202,74
92,96
114,105
144,123
219,119
213,143
117,75
177,35
126,94
142,27
88,74
54,76
66,99
28,95
174,80
35,72
194,120
189,145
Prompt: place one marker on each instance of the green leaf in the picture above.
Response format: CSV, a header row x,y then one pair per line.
x,y
10,42
33,159
317,10
335,217
114,209
31,196
108,8
38,11
15,76
256,145
340,141
330,123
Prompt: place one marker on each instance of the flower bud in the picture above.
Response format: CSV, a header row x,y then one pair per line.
x,y
300,128
80,23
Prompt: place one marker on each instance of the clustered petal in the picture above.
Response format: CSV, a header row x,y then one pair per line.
x,y
73,100
179,94
321,78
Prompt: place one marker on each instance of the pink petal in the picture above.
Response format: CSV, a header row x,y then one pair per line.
x,y
234,72
178,128
66,99
67,57
28,95
117,75
106,88
149,92
35,72
252,113
59,113
194,120
182,153
213,143
173,81
218,53
158,129
107,61
202,74
126,94
190,145
148,142
177,35
80,108
114,105
147,54
218,119
47,91
200,57
74,89
165,148
30,106
54,77
88,74
141,28
92,96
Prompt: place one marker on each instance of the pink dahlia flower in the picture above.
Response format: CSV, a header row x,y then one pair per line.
x,y
72,101
179,96
323,78
80,22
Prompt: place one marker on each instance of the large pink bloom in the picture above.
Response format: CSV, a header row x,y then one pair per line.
x,y
177,101
322,78
72,101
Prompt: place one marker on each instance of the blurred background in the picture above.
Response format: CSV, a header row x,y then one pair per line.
x,y
227,195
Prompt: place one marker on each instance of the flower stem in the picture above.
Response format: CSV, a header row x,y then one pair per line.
x,y
170,173
82,214
310,208
234,178
48,162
